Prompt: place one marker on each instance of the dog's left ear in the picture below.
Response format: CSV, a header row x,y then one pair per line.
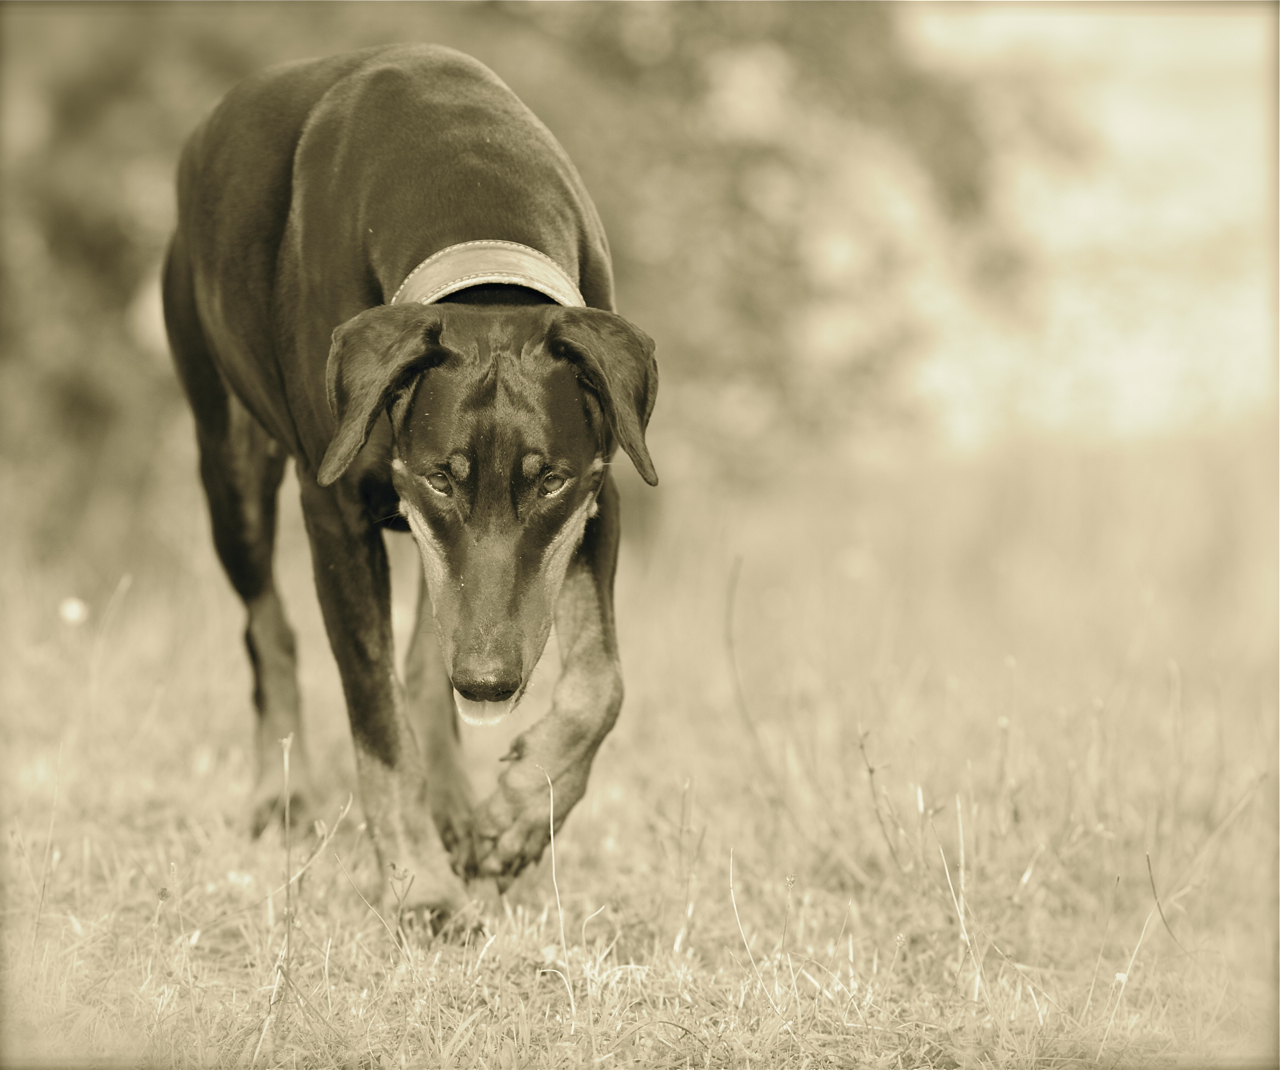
x,y
372,356
615,359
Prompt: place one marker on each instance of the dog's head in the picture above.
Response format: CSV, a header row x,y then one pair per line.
x,y
503,420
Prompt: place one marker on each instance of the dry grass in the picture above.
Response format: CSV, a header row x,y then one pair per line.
x,y
993,783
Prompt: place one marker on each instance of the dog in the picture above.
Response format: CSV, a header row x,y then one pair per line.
x,y
386,268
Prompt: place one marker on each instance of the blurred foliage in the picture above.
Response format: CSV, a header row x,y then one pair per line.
x,y
728,146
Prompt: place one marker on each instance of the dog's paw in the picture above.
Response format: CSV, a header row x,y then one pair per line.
x,y
507,838
427,904
421,923
513,826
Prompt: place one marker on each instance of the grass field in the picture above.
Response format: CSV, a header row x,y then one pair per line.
x,y
981,772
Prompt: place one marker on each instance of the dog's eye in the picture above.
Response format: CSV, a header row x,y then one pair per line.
x,y
551,485
439,482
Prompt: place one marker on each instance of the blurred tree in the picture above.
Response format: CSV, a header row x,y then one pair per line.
x,y
826,55
726,136
756,165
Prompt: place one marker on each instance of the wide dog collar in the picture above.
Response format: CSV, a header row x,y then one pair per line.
x,y
477,263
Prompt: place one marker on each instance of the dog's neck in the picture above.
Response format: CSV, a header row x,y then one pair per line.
x,y
487,263
495,294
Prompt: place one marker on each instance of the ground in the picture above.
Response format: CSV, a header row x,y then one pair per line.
x,y
924,760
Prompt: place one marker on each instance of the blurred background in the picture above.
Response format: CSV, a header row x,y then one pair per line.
x,y
851,228
967,431
965,314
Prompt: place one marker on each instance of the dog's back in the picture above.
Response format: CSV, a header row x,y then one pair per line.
x,y
296,194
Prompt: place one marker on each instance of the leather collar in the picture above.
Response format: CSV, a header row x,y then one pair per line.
x,y
477,263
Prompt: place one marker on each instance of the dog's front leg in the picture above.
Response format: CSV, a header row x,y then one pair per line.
x,y
435,723
512,826
353,583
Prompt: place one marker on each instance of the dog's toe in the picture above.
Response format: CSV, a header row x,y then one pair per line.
x,y
454,818
270,808
511,853
453,917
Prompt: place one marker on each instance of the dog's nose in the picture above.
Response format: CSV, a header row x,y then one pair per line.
x,y
485,681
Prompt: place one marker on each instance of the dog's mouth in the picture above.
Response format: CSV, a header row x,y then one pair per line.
x,y
485,714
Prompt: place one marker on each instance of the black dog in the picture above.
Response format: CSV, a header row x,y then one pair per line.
x,y
387,268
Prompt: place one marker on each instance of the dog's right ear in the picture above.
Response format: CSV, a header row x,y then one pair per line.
x,y
372,356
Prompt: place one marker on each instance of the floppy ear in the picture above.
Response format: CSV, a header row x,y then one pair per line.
x,y
372,356
615,359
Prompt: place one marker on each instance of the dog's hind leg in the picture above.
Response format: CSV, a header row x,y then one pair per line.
x,y
435,724
241,467
242,475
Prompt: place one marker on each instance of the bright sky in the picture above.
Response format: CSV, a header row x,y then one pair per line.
x,y
1155,244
